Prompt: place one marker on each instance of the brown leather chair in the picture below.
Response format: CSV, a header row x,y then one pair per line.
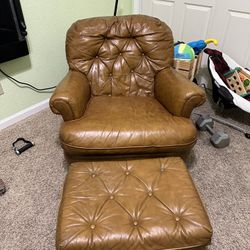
x,y
121,96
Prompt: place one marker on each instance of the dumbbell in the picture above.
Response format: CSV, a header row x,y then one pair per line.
x,y
218,139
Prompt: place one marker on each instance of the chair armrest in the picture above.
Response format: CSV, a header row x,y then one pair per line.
x,y
176,93
71,96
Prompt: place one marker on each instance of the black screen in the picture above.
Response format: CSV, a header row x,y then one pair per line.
x,y
12,30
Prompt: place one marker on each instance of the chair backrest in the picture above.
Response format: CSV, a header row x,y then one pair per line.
x,y
120,55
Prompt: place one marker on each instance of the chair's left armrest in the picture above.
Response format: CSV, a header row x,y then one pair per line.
x,y
176,93
71,96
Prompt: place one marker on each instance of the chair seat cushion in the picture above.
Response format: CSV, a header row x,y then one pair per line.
x,y
148,204
124,125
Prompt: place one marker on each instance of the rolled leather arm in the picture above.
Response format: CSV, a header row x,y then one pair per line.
x,y
179,95
71,96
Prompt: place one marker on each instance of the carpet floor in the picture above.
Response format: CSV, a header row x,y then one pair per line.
x,y
28,210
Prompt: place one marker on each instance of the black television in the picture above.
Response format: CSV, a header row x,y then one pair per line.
x,y
12,31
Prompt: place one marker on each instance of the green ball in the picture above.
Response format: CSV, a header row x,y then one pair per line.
x,y
184,51
246,82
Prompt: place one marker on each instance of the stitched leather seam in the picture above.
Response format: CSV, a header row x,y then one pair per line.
x,y
154,146
85,101
66,104
190,99
187,247
56,111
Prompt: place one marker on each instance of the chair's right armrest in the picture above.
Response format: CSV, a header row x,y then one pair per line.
x,y
176,93
71,96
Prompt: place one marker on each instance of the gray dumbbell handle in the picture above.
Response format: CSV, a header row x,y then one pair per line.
x,y
209,129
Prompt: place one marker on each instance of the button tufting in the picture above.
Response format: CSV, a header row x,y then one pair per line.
x,y
92,226
120,54
127,173
177,218
135,223
150,193
162,169
110,74
93,175
97,57
111,197
132,71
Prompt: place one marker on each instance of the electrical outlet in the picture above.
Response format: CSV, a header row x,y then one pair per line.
x,y
1,89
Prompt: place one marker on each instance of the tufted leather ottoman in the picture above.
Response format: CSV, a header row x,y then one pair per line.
x,y
133,205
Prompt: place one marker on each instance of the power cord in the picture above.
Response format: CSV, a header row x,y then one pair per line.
x,y
25,83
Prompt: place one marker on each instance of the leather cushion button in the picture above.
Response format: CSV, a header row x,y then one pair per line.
x,y
135,223
177,218
92,226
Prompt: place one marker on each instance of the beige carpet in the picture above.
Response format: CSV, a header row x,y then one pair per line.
x,y
34,179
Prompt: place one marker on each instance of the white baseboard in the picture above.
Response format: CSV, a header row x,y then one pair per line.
x,y
23,114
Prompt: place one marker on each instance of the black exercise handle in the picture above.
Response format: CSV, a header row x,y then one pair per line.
x,y
22,149
28,144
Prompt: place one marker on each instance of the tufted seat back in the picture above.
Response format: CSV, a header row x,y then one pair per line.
x,y
120,56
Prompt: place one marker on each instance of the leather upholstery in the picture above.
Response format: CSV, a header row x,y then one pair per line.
x,y
104,129
71,96
120,55
176,93
135,205
113,61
